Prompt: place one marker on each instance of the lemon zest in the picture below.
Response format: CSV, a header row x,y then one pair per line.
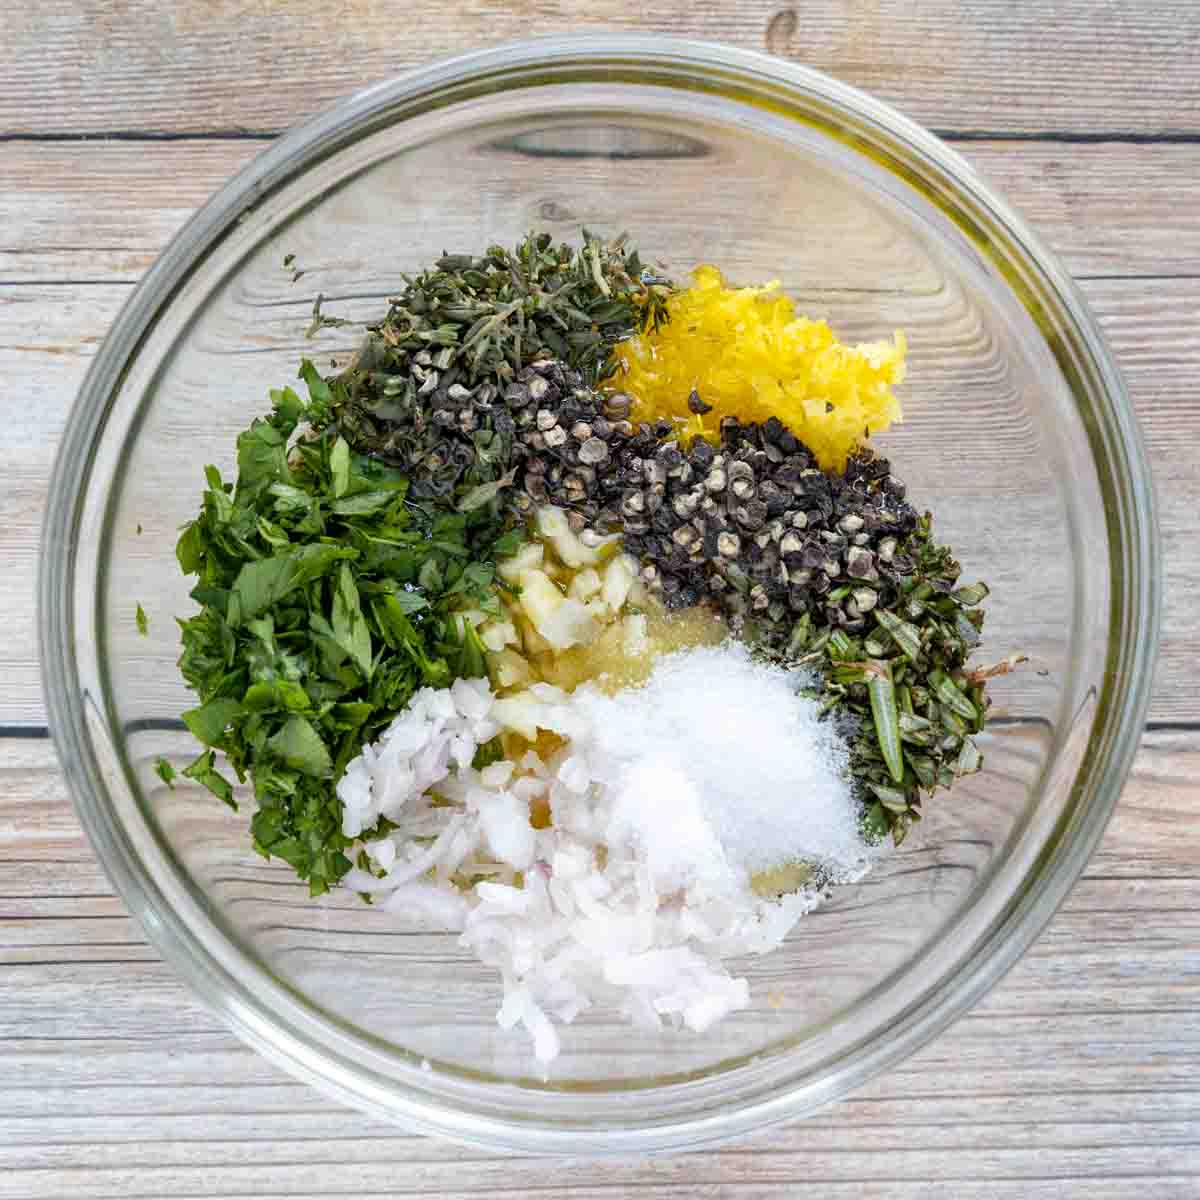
x,y
748,354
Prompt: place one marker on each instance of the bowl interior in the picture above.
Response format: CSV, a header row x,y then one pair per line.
x,y
992,442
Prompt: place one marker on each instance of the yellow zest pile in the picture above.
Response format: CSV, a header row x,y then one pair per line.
x,y
749,355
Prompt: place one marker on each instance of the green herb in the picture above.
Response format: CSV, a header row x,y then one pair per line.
x,y
209,722
288,261
886,716
204,771
475,322
165,772
488,753
319,319
906,635
906,683
327,597
143,625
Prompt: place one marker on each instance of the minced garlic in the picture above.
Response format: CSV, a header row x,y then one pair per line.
x,y
576,612
748,354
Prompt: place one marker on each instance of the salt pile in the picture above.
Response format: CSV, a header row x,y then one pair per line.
x,y
663,802
772,778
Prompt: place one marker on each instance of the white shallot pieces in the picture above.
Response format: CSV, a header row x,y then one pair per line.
x,y
630,891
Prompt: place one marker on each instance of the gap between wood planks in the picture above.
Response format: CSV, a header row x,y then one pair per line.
x,y
1064,136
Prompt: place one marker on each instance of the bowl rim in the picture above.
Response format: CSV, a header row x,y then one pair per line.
x,y
738,75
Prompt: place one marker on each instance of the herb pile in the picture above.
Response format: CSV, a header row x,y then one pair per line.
x,y
365,518
434,386
905,679
326,596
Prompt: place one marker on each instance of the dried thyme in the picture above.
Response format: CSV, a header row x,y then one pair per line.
x,y
428,390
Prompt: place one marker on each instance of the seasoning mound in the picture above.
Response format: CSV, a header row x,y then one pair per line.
x,y
745,352
771,778
663,802
466,617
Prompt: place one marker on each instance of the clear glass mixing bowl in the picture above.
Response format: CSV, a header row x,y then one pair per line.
x,y
1018,430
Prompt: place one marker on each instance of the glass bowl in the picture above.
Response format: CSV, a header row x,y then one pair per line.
x,y
1018,430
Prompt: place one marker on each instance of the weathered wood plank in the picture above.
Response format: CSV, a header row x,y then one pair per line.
x,y
743,1185
102,211
95,67
45,859
1078,1072
1074,1077
47,339
49,332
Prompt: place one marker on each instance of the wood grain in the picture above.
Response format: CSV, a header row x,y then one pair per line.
x,y
1077,1073
1084,67
50,331
99,212
1075,1077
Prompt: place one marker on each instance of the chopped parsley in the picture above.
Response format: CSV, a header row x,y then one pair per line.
x,y
326,600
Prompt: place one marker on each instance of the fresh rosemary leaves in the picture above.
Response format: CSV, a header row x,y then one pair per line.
x,y
918,707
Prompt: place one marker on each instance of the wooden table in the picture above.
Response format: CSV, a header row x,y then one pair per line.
x,y
1076,1077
